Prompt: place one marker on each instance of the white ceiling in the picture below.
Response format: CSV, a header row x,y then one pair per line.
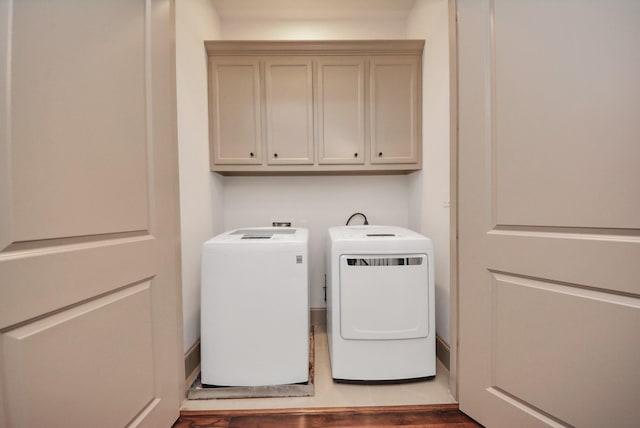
x,y
311,9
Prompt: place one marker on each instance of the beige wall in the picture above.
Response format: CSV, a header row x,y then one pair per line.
x,y
200,190
316,203
313,29
429,194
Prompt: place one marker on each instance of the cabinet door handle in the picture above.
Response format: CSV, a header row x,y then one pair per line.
x,y
275,155
380,154
251,154
355,155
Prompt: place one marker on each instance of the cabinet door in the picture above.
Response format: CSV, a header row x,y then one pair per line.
x,y
340,110
289,110
235,110
394,109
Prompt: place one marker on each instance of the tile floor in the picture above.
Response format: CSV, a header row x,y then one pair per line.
x,y
331,394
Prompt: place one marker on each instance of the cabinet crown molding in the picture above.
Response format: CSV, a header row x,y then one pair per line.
x,y
315,47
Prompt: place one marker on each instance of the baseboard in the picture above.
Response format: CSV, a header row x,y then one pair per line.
x,y
318,318
443,352
345,413
192,363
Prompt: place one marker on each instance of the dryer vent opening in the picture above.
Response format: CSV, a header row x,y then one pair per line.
x,y
390,261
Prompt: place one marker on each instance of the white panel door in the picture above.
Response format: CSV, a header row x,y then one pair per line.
x,y
549,213
90,327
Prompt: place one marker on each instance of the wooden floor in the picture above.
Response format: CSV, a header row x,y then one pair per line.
x,y
428,416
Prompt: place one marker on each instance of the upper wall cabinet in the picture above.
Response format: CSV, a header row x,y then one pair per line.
x,y
289,110
315,106
235,111
340,110
393,109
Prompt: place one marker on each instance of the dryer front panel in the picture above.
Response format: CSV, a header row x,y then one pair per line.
x,y
384,297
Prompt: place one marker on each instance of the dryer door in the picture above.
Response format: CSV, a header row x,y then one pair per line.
x,y
384,296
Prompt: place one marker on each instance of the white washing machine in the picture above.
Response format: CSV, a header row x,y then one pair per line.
x,y
380,303
255,308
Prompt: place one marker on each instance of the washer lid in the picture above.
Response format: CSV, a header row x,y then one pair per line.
x,y
265,233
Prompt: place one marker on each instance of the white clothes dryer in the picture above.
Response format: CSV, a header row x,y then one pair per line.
x,y
380,303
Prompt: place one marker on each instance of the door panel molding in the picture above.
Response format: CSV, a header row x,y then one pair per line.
x,y
94,268
110,341
6,219
515,403
577,103
568,232
30,248
545,330
592,258
71,118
